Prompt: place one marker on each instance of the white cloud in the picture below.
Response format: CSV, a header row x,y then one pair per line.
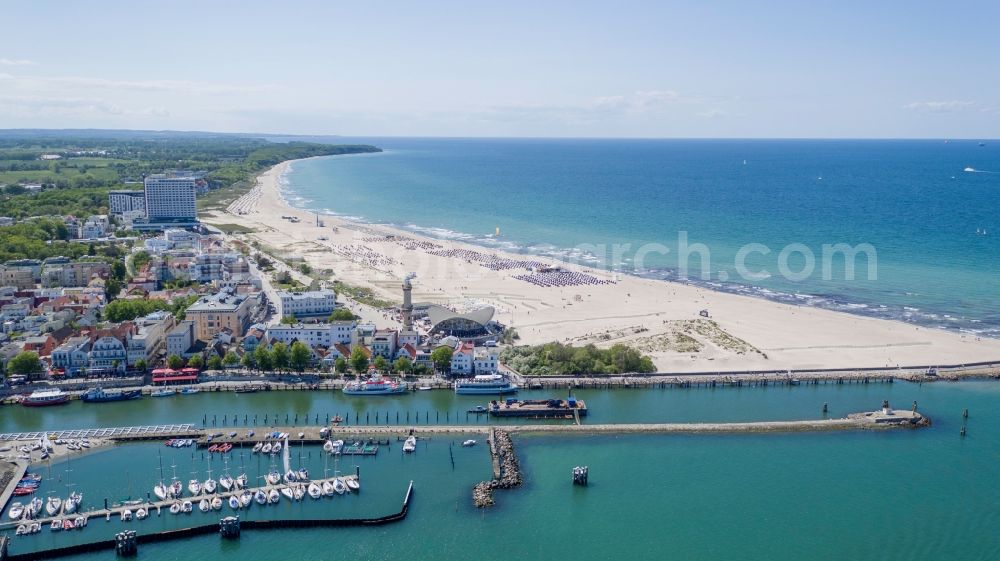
x,y
15,62
712,113
940,106
75,83
35,106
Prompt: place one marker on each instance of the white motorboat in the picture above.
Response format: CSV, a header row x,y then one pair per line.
x,y
315,491
34,507
299,492
80,521
339,486
141,513
260,497
276,448
161,491
209,486
187,507
204,505
35,528
16,511
288,493
226,482
273,496
266,448
175,508
273,478
234,503
246,497
469,442
216,503
328,489
22,529
353,484
126,515
53,505
194,486
56,525
410,444
257,447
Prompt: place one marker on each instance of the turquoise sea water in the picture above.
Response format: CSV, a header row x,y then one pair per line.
x,y
925,494
910,200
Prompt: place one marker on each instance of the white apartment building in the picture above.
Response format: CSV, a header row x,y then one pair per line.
x,y
123,202
307,304
319,334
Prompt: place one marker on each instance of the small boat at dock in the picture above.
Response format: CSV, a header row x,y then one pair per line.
x,y
353,484
165,392
410,444
485,384
234,503
141,513
375,385
101,395
45,398
469,443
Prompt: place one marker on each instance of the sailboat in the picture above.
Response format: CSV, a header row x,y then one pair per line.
x,y
209,486
160,490
176,488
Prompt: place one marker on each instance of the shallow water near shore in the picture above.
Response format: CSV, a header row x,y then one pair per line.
x,y
908,494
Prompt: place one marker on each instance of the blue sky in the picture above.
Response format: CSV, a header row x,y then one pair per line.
x,y
593,69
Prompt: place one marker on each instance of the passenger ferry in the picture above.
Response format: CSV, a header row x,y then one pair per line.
x,y
375,385
43,398
101,395
485,384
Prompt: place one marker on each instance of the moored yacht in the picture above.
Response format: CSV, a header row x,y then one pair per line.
x,y
375,385
485,384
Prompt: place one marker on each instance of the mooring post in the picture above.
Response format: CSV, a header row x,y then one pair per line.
x,y
125,543
824,407
965,414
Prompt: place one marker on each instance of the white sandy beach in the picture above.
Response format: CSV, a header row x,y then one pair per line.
x,y
659,317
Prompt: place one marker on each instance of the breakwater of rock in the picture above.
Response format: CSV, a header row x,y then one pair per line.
x,y
506,469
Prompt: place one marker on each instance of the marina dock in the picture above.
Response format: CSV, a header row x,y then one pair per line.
x,y
157,507
213,528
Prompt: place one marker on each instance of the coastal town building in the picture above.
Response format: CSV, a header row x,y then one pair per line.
x,y
314,335
123,202
181,339
313,303
96,226
225,309
78,273
72,356
149,337
18,277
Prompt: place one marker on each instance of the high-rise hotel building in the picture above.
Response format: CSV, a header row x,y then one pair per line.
x,y
170,199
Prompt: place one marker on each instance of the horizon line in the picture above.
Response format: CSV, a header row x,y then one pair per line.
x,y
488,137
